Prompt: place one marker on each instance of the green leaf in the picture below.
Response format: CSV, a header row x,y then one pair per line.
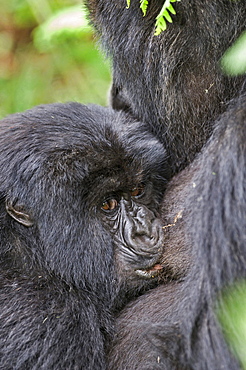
x,y
160,26
171,9
232,316
233,62
68,23
143,6
164,15
167,16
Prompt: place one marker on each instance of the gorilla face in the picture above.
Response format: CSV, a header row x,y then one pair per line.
x,y
132,217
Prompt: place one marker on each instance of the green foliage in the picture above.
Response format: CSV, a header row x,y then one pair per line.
x,y
69,23
163,17
232,316
234,60
47,54
128,3
143,6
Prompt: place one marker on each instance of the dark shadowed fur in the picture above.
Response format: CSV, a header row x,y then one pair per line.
x,y
174,83
174,326
58,270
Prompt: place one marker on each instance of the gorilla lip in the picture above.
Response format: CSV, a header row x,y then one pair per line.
x,y
151,272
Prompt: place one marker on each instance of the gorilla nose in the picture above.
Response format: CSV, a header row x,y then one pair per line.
x,y
147,234
144,240
147,244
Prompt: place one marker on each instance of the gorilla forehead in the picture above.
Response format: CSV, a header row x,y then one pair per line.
x,y
89,139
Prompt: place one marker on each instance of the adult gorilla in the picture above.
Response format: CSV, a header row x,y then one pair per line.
x,y
174,83
174,325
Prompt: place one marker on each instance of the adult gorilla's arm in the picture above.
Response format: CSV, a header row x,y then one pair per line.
x,y
174,325
159,331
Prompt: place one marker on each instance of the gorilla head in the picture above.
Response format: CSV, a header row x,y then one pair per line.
x,y
75,181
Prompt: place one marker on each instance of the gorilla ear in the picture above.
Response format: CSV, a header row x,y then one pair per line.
x,y
18,213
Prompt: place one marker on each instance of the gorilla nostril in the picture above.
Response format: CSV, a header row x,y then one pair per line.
x,y
142,239
146,241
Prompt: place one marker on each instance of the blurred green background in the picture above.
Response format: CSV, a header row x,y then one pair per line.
x,y
48,53
231,311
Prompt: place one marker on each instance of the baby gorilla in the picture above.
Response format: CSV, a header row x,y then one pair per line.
x,y
80,191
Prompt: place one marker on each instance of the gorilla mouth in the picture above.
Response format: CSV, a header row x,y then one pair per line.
x,y
150,272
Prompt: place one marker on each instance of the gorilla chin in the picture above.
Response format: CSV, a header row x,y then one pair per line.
x,y
150,272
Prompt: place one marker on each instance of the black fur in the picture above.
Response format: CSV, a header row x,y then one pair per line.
x,y
58,280
174,83
174,326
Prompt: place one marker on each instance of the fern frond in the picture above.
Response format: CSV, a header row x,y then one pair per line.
x,y
143,6
164,16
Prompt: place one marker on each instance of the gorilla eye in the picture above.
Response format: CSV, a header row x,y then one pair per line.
x,y
109,204
137,191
